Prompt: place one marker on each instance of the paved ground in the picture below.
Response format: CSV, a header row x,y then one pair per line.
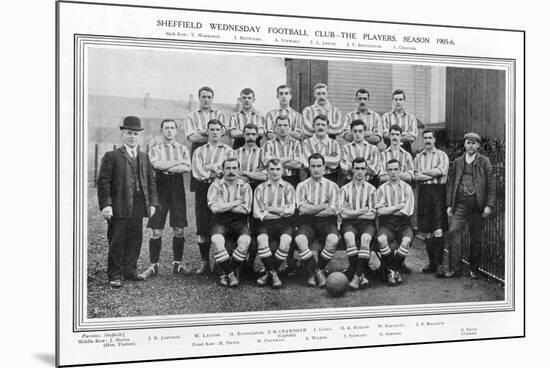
x,y
170,294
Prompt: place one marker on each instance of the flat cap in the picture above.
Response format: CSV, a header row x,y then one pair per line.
x,y
472,137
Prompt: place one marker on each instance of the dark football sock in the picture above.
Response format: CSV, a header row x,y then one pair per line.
x,y
154,249
177,248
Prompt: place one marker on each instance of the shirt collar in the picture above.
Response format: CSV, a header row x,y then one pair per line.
x,y
367,112
327,106
253,149
324,141
220,144
279,182
395,113
252,112
128,150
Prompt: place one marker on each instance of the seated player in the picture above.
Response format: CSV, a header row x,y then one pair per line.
x,y
358,222
317,202
394,202
230,200
274,205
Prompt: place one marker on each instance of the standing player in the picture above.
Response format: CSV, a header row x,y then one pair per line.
x,y
358,222
396,152
250,158
360,148
322,106
470,199
395,205
253,172
170,160
230,200
284,95
431,167
317,202
322,144
274,205
247,115
398,116
372,120
195,125
285,148
206,167
127,192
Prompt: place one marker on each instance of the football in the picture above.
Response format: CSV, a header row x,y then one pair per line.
x,y
337,284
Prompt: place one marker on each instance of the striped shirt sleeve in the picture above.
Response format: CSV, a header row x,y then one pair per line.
x,y
301,195
290,200
409,200
334,193
214,194
380,197
197,165
258,206
154,153
307,121
345,163
247,197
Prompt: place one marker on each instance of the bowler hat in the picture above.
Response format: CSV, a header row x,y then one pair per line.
x,y
131,123
472,137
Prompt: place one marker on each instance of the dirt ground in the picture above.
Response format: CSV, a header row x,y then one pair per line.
x,y
170,294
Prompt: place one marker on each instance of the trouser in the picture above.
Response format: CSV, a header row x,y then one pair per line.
x,y
466,212
125,236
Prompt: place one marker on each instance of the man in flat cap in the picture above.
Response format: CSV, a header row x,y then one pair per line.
x,y
470,199
127,192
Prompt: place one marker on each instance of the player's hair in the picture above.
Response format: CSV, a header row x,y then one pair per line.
x,y
247,91
320,117
399,92
357,122
214,122
231,159
207,89
314,156
320,85
393,161
250,126
362,90
358,160
273,161
428,131
396,128
281,118
168,121
283,86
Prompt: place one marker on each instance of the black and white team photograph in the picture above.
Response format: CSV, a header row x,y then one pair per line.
x,y
221,183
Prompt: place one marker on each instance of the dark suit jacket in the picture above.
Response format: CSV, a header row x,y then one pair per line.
x,y
484,181
116,186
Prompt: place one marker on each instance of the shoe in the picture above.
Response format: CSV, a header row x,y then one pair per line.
x,y
276,282
405,269
204,268
355,282
398,277
453,274
391,278
115,283
321,279
364,282
135,277
429,268
223,280
440,272
153,270
263,280
311,281
180,268
233,280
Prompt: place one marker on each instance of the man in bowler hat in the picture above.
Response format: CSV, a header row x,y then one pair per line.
x,y
470,199
127,192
